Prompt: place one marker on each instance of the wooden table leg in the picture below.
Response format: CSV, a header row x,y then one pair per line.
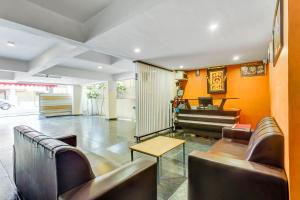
x,y
158,170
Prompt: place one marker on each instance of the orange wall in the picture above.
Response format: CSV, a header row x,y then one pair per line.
x,y
294,97
253,93
279,90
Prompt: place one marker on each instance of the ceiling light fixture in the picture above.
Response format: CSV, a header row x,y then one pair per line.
x,y
213,27
235,58
100,67
137,50
10,44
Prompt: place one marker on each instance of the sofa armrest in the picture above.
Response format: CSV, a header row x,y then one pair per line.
x,y
236,134
216,177
136,180
69,139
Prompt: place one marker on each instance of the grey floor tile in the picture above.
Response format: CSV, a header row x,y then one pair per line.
x,y
105,143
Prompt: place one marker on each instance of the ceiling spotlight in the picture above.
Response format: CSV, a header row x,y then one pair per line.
x,y
181,67
137,50
10,44
235,58
213,27
100,67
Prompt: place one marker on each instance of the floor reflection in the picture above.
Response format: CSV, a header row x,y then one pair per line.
x,y
105,143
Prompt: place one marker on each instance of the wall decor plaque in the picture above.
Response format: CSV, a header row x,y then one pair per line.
x,y
216,80
253,70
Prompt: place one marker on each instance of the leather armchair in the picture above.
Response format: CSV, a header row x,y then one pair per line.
x,y
234,170
69,139
50,169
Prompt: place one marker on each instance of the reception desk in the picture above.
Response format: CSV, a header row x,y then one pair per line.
x,y
53,105
206,122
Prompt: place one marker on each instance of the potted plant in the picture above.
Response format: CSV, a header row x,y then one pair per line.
x,y
94,92
121,90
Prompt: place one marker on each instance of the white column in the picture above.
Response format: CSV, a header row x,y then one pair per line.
x,y
12,95
77,100
110,99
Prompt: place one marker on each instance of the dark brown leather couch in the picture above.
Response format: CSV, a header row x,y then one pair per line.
x,y
49,169
241,166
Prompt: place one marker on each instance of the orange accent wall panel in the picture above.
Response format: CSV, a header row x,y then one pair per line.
x,y
294,94
279,90
253,93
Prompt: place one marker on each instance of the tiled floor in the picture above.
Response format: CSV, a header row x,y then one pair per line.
x,y
106,145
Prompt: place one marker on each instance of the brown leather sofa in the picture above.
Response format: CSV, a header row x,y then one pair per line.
x,y
49,169
241,166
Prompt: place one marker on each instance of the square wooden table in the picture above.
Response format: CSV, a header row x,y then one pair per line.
x,y
157,147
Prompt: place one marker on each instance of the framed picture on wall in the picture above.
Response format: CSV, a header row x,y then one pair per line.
x,y
258,69
216,80
278,31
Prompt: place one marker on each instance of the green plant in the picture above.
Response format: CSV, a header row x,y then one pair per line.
x,y
121,89
94,91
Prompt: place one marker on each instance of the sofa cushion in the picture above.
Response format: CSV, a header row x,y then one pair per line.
x,y
228,148
266,144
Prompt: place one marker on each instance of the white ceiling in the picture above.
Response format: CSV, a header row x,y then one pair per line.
x,y
78,10
93,66
27,45
175,32
76,36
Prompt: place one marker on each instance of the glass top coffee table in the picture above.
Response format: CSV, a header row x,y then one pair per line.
x,y
157,147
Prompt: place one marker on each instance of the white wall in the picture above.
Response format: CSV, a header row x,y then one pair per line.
x,y
110,99
127,101
125,109
77,100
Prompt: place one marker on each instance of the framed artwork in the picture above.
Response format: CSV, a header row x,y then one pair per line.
x,y
216,80
253,70
277,31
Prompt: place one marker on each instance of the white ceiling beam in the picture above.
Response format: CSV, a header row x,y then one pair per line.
x,y
50,58
78,73
32,15
13,65
97,57
54,56
6,76
124,76
51,80
118,12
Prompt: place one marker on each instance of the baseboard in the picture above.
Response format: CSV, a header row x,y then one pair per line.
x,y
111,119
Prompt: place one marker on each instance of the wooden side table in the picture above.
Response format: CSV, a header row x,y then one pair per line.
x,y
157,147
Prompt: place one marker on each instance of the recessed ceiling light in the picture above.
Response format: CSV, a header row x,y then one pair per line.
x,y
235,58
137,50
181,67
100,67
213,27
10,44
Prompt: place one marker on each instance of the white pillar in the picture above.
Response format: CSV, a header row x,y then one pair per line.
x,y
77,100
111,100
12,95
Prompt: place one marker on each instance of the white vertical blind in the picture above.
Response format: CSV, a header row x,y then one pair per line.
x,y
154,91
